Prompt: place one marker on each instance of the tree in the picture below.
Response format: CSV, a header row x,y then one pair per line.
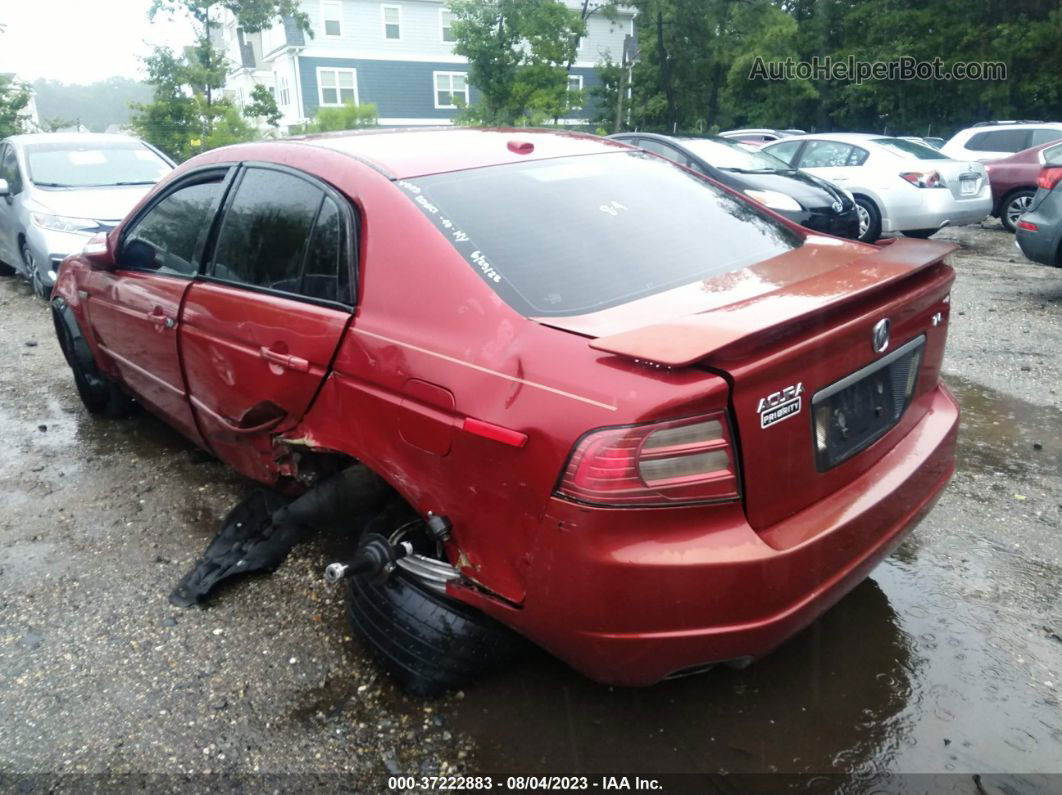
x,y
263,105
518,52
14,97
186,115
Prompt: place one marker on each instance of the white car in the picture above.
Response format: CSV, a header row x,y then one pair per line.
x,y
992,140
898,185
758,137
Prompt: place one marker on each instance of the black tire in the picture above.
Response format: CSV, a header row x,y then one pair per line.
x,y
1012,206
33,273
921,234
427,642
869,219
99,394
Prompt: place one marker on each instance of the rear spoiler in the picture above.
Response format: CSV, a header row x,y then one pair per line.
x,y
685,340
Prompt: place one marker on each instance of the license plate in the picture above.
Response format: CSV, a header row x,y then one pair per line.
x,y
967,187
853,413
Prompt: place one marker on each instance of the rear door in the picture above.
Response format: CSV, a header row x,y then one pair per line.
x,y
259,331
134,308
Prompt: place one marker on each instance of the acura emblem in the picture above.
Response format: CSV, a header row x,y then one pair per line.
x,y
879,337
837,207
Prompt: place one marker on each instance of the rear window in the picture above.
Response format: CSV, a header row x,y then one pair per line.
x,y
910,149
575,235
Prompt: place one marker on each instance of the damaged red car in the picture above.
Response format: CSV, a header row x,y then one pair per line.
x,y
628,414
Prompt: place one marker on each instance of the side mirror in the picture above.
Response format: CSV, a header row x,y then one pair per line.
x,y
98,254
5,189
140,255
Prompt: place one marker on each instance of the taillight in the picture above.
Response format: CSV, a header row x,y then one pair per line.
x,y
663,463
1049,177
1028,226
925,179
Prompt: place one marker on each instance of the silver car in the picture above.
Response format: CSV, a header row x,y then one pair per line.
x,y
59,189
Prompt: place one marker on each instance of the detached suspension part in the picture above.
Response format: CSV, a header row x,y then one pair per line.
x,y
375,559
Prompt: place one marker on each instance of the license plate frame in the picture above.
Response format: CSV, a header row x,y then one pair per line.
x,y
968,186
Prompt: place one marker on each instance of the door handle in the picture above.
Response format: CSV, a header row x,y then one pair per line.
x,y
287,361
159,318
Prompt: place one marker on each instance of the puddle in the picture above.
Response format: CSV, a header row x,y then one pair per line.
x,y
999,432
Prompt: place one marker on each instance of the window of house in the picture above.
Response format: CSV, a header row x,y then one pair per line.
x,y
332,13
575,85
392,22
446,19
283,95
337,86
448,86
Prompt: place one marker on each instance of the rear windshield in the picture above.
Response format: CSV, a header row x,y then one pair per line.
x,y
92,165
910,149
575,235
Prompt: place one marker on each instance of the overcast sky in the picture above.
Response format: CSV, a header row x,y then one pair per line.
x,y
81,41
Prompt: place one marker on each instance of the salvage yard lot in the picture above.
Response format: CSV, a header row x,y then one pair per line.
x,y
947,660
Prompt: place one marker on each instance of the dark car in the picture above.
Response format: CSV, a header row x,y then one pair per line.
x,y
808,200
548,347
1039,232
1014,183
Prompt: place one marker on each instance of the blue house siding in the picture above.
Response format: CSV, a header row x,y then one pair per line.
x,y
404,89
400,89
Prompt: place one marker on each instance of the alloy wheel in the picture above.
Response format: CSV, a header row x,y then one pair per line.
x,y
1015,208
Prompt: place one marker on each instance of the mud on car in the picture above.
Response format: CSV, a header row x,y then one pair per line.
x,y
574,392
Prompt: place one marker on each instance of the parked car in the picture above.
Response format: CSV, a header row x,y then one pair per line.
x,y
996,139
59,189
1039,230
899,186
803,198
759,137
1014,183
651,425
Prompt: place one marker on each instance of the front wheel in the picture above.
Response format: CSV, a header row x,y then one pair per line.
x,y
33,272
1013,207
869,220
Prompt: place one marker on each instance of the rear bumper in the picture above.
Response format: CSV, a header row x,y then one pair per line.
x,y
631,597
939,206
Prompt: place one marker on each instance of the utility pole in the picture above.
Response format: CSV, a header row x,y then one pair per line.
x,y
630,55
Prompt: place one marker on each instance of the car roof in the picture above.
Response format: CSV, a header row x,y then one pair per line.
x,y
848,138
412,153
1019,125
72,138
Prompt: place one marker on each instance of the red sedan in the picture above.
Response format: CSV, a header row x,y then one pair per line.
x,y
652,425
1013,182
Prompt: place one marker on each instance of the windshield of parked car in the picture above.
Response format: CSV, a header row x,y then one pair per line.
x,y
731,156
910,149
574,235
91,165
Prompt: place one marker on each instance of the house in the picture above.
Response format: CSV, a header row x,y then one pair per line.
x,y
397,54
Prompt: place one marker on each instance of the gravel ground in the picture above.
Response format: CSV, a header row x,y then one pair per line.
x,y
100,675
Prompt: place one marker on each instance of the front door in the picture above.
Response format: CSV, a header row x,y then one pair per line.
x,y
134,309
9,170
258,333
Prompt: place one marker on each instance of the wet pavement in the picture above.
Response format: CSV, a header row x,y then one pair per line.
x,y
945,663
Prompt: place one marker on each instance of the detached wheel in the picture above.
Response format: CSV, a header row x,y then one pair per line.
x,y
1013,206
427,641
100,395
869,219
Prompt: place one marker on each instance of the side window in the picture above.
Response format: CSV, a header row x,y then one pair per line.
x,y
654,146
327,274
857,157
170,236
827,154
9,169
999,141
1044,135
785,151
266,230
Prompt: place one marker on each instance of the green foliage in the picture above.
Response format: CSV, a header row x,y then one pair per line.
x,y
229,127
253,15
96,105
349,116
263,105
518,53
696,56
14,97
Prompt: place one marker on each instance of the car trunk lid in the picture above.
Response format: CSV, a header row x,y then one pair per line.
x,y
787,333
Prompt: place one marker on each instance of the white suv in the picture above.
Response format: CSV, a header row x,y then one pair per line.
x,y
994,139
